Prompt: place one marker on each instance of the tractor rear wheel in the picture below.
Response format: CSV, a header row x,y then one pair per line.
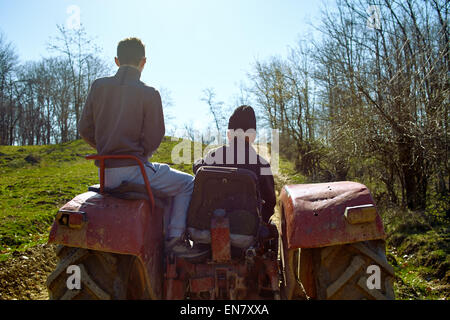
x,y
291,287
351,271
104,276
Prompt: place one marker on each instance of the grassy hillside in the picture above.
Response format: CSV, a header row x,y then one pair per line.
x,y
36,180
419,251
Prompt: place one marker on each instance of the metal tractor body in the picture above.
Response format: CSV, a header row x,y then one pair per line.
x,y
328,235
332,237
224,216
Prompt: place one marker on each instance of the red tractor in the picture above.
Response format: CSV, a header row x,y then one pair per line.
x,y
329,244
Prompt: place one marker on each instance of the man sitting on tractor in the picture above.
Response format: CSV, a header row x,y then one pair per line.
x,y
124,116
239,153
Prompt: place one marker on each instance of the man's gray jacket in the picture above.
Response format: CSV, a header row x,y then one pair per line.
x,y
121,116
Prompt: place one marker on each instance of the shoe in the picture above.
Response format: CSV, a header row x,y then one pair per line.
x,y
182,248
268,231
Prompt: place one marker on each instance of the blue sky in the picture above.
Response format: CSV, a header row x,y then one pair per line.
x,y
190,45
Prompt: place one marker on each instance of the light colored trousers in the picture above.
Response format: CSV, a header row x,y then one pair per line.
x,y
174,185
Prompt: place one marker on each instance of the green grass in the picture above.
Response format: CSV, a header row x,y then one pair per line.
x,y
415,281
287,174
31,193
419,249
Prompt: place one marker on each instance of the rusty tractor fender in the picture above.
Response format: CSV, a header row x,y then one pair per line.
x,y
101,222
325,214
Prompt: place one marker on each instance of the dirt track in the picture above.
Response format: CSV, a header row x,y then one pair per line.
x,y
23,275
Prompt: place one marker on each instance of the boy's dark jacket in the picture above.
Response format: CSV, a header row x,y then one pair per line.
x,y
217,157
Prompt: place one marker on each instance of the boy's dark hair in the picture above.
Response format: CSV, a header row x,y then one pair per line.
x,y
242,118
130,51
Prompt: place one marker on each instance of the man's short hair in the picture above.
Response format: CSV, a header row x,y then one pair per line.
x,y
130,51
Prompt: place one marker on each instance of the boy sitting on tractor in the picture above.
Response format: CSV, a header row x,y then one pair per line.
x,y
124,116
239,153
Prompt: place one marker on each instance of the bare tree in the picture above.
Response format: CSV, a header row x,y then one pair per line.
x,y
189,131
40,101
366,100
283,92
216,108
385,88
80,52
9,111
167,102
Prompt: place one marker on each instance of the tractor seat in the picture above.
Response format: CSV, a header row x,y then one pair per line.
x,y
132,191
234,190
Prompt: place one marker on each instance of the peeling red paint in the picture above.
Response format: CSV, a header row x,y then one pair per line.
x,y
315,217
220,239
117,226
